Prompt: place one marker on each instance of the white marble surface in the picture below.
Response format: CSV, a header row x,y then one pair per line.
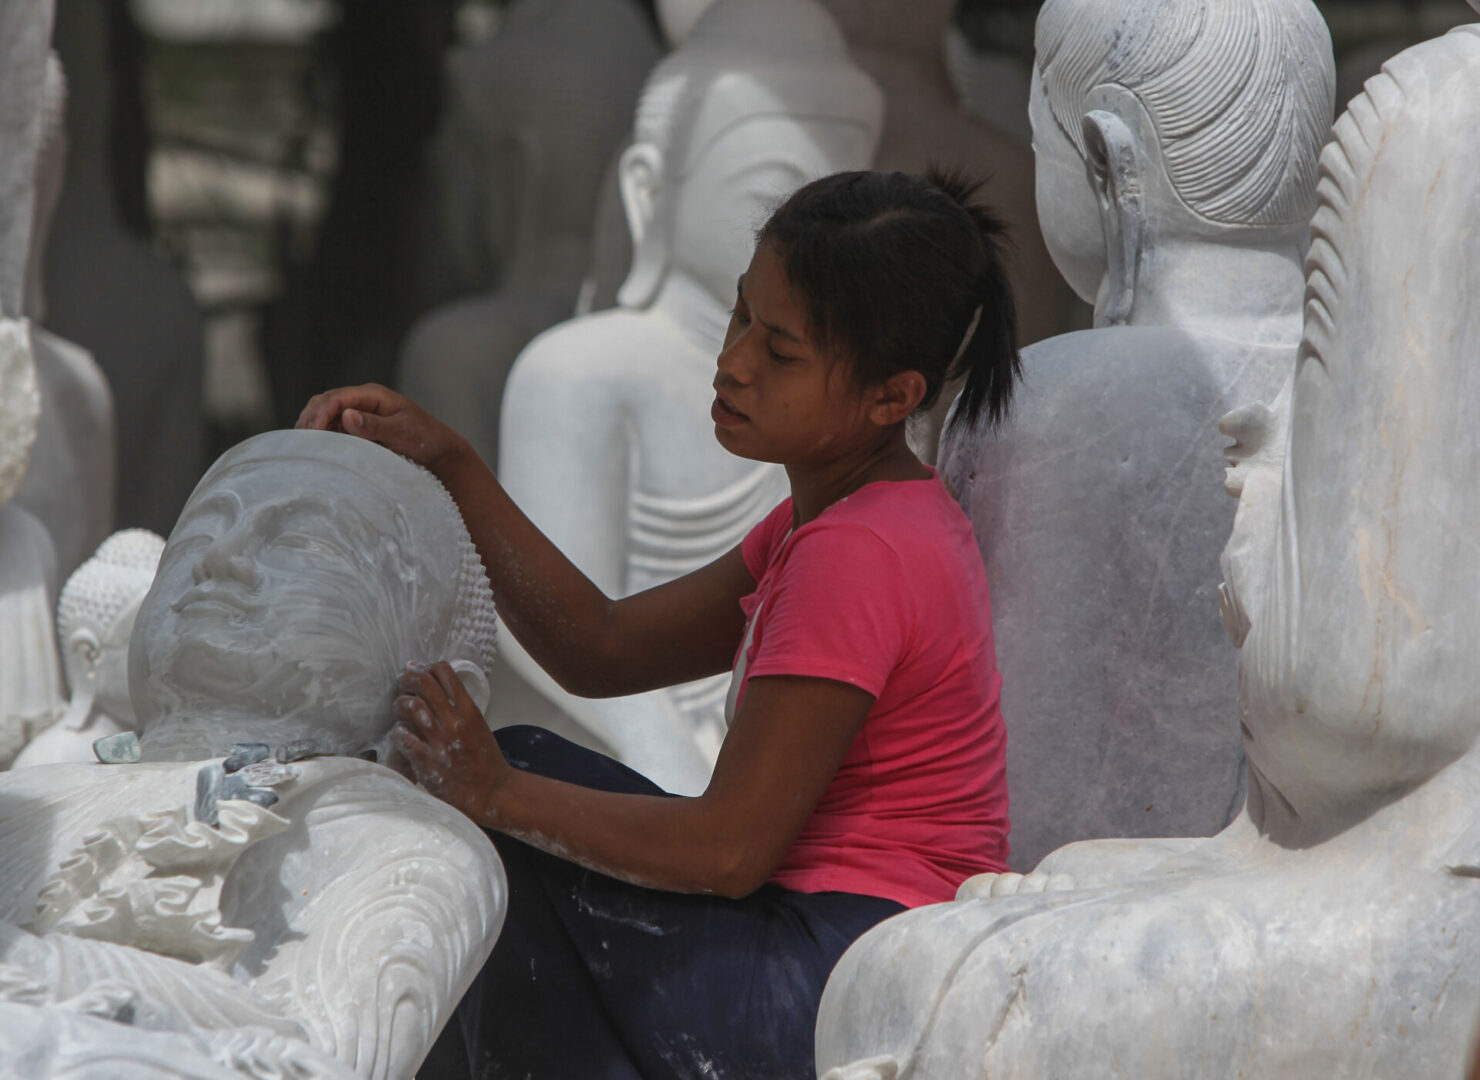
x,y
1333,929
277,895
533,115
606,440
1099,506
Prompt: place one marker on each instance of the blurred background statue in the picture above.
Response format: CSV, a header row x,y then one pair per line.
x,y
531,117
109,292
30,673
903,47
70,485
1098,508
1307,938
606,440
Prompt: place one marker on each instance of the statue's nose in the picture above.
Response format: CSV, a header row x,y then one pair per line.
x,y
226,559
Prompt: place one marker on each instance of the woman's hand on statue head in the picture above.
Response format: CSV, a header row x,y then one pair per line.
x,y
383,416
444,738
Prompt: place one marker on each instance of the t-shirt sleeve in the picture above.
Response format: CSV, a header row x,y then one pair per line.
x,y
839,609
761,542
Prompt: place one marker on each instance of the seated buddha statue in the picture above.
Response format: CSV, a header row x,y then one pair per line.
x,y
1098,507
1334,928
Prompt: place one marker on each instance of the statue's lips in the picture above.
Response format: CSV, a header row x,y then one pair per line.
x,y
203,600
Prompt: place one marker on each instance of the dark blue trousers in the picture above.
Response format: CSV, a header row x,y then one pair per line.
x,y
596,979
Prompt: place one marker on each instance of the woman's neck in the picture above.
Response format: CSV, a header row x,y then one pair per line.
x,y
816,487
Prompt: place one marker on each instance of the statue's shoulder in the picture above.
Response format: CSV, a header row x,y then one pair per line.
x,y
614,346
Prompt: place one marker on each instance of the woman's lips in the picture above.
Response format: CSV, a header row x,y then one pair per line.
x,y
725,414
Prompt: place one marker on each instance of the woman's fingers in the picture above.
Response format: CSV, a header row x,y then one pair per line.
x,y
451,685
323,410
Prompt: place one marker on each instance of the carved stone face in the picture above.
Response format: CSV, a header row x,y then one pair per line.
x,y
290,595
748,168
1067,207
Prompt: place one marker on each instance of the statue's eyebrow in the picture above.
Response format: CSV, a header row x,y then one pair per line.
x,y
225,502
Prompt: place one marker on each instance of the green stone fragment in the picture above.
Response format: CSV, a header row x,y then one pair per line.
x,y
120,749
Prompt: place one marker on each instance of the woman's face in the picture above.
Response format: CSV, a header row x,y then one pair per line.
x,y
778,396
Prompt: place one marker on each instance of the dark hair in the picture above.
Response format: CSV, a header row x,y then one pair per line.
x,y
904,273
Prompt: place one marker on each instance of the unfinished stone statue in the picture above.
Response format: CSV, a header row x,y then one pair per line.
x,y
30,674
1098,507
95,619
606,440
534,113
252,871
1333,929
111,293
69,486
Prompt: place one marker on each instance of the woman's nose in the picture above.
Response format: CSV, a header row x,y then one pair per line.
x,y
732,363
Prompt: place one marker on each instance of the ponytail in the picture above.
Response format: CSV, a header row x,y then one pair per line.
x,y
987,361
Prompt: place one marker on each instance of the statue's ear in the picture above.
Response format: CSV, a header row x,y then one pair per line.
x,y
639,178
1115,173
475,682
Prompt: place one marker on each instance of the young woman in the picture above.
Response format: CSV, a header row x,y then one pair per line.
x,y
863,773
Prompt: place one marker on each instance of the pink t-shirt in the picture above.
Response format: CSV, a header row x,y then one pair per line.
x,y
885,590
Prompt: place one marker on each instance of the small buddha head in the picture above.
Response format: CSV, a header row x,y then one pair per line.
x,y
305,571
1174,119
761,98
1357,676
95,619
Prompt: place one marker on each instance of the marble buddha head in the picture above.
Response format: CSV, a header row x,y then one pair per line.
x,y
95,619
1163,120
1357,675
761,98
305,571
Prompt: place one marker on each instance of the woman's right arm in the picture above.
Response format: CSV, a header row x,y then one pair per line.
x,y
590,644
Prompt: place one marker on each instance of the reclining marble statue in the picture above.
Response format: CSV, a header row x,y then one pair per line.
x,y
251,872
1334,928
1098,507
605,440
533,115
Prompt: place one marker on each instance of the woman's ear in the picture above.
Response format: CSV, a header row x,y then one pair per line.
x,y
475,682
897,398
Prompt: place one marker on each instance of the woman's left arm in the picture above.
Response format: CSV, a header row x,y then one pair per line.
x,y
789,737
